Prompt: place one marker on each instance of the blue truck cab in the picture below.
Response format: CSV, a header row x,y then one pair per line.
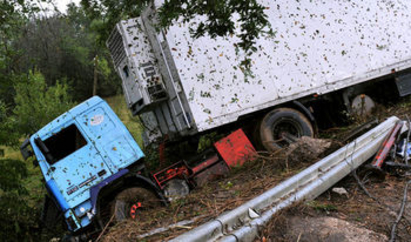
x,y
80,153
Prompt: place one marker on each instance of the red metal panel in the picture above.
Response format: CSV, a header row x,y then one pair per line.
x,y
204,165
387,145
235,149
176,170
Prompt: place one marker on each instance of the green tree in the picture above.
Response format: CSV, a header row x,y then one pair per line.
x,y
11,19
37,104
64,46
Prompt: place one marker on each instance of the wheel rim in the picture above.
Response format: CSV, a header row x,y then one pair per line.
x,y
133,210
286,131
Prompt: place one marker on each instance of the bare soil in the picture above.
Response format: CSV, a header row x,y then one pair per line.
x,y
361,211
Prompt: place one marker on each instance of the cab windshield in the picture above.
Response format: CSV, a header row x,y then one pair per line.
x,y
64,143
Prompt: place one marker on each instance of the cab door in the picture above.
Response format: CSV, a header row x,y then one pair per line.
x,y
111,138
75,164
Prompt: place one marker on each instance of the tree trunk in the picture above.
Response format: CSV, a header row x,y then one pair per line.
x,y
95,75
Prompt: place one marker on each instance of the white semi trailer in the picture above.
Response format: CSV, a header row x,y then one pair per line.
x,y
182,86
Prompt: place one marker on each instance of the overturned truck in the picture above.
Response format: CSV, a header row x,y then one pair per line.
x,y
329,51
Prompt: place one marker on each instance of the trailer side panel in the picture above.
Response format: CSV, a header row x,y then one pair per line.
x,y
319,47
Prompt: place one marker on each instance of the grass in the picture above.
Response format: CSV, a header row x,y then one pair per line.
x,y
322,206
119,106
32,183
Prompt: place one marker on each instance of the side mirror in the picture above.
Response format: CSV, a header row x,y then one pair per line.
x,y
24,149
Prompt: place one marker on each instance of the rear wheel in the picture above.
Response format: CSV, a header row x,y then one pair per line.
x,y
129,203
362,105
283,126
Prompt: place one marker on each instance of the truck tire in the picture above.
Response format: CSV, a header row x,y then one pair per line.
x,y
129,202
282,122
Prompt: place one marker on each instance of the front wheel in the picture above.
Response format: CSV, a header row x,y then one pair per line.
x,y
129,203
282,126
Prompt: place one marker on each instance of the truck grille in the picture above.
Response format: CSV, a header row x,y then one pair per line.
x,y
116,48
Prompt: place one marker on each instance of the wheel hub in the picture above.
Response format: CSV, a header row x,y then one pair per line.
x,y
133,209
286,131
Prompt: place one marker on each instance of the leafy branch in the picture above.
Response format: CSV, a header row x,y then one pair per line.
x,y
220,18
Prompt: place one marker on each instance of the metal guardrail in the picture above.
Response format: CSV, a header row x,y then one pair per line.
x,y
242,223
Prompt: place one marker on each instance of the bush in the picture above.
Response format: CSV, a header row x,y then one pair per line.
x,y
15,217
8,135
37,104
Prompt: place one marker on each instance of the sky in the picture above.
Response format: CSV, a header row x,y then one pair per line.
x,y
62,4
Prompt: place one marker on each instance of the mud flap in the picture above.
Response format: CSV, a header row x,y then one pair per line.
x,y
403,84
153,187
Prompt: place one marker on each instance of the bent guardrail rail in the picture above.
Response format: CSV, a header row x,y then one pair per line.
x,y
242,223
